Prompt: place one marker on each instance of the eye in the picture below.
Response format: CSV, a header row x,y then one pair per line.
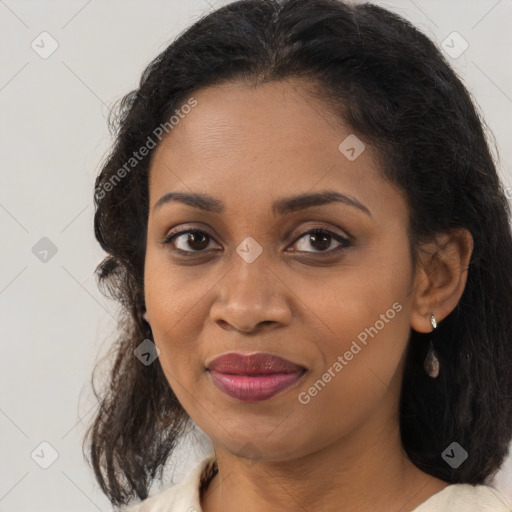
x,y
321,240
189,241
196,240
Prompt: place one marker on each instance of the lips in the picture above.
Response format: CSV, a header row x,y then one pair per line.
x,y
254,364
256,377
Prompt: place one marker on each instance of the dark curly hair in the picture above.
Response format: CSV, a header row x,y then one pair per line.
x,y
391,85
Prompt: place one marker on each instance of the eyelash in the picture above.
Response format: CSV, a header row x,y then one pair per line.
x,y
344,241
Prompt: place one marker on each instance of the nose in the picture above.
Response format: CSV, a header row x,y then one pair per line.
x,y
250,298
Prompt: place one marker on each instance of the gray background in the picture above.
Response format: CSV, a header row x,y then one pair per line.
x,y
55,324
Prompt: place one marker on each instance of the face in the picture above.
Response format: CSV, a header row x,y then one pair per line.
x,y
325,284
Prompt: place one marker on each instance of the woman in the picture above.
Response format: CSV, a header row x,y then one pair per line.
x,y
312,248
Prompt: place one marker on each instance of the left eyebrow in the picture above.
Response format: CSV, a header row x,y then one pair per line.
x,y
303,201
281,206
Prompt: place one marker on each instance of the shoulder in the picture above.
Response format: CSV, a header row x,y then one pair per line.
x,y
466,498
181,497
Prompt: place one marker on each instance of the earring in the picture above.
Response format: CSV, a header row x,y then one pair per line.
x,y
145,316
431,363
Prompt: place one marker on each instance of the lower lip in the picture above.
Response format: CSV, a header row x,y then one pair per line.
x,y
254,388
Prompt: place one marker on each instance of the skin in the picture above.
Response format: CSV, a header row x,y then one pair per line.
x,y
249,146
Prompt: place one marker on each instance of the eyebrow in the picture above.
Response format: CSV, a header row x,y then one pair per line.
x,y
281,206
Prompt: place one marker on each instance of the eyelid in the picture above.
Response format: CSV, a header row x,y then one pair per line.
x,y
185,228
331,230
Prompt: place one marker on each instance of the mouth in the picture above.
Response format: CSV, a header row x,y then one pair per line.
x,y
253,378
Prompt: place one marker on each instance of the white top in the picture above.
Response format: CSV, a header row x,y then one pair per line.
x,y
185,496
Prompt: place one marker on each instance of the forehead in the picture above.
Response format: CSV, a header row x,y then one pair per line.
x,y
246,144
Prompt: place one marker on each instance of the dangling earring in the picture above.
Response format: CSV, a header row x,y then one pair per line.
x,y
431,363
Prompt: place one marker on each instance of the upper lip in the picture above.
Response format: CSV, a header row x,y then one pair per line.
x,y
253,364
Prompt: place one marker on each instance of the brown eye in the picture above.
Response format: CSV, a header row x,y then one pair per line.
x,y
321,241
193,240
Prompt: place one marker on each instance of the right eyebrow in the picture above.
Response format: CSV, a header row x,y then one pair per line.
x,y
201,201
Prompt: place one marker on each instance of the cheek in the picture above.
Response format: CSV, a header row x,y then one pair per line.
x,y
359,372
364,317
362,300
360,351
172,293
173,303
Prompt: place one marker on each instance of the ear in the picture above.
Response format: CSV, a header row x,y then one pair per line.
x,y
440,277
145,316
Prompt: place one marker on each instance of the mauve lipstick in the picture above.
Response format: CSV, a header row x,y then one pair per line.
x,y
255,377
